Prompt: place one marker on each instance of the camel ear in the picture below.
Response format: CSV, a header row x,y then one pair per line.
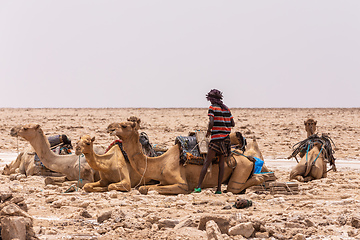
x,y
93,139
315,122
37,126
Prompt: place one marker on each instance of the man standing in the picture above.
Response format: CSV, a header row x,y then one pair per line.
x,y
220,123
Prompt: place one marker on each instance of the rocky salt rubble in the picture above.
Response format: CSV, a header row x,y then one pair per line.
x,y
327,208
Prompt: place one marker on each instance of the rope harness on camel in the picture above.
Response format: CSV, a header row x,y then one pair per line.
x,y
303,147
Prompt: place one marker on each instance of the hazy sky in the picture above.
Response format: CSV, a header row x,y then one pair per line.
x,y
171,53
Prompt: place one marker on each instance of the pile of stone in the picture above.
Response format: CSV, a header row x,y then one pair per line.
x,y
16,223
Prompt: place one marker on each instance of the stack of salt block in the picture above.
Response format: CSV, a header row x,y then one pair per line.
x,y
264,187
285,188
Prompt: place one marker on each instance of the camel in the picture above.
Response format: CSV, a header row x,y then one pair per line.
x,y
115,173
26,163
315,152
310,127
178,179
68,165
311,166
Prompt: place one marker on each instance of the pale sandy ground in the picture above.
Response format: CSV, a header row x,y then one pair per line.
x,y
324,209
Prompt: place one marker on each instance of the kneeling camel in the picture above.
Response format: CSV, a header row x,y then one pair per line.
x,y
68,165
175,178
315,152
115,172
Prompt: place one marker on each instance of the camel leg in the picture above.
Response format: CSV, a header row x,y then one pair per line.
x,y
123,186
256,179
308,178
179,188
297,172
299,178
55,180
99,186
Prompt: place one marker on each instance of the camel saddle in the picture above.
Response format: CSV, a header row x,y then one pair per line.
x,y
190,152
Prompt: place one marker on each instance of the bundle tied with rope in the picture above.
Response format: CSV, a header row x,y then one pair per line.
x,y
302,147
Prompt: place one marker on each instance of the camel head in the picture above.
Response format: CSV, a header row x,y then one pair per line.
x,y
84,145
124,130
237,138
27,131
6,170
111,129
135,120
310,126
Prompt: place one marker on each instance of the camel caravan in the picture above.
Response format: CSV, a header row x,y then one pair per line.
x,y
132,162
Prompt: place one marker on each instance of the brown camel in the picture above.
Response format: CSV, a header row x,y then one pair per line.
x,y
311,166
315,152
115,172
175,178
26,163
67,165
310,127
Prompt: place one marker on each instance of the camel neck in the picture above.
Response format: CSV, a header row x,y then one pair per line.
x,y
48,158
137,158
97,162
42,147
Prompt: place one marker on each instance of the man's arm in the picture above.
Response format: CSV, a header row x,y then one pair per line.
x,y
232,122
210,126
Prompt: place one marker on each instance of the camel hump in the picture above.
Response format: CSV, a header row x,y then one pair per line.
x,y
253,144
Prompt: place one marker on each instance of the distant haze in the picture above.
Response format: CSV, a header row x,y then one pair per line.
x,y
159,54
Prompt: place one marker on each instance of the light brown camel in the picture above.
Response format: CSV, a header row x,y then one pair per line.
x,y
315,152
115,172
310,127
311,166
24,164
67,165
175,178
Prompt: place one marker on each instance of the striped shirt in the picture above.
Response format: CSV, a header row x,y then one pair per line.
x,y
222,122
